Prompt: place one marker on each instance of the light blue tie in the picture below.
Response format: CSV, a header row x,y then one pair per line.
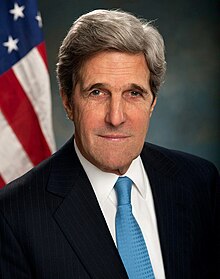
x,y
130,241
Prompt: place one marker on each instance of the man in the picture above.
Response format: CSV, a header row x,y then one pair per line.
x,y
58,220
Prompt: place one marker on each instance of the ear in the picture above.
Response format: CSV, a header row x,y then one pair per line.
x,y
153,106
67,105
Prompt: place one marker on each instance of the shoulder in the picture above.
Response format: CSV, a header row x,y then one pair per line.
x,y
193,179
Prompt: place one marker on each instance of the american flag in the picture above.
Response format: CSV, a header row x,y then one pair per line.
x,y
26,134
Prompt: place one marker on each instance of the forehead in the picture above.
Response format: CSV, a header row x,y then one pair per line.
x,y
113,65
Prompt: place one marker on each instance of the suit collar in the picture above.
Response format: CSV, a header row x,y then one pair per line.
x,y
156,159
66,167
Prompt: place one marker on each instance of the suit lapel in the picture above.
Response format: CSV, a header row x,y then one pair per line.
x,y
80,218
170,200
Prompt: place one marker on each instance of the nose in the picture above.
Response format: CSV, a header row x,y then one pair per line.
x,y
115,115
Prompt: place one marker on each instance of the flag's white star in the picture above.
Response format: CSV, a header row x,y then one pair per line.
x,y
11,44
17,11
39,19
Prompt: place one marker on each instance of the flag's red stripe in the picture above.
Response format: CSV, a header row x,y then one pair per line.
x,y
20,115
42,50
2,182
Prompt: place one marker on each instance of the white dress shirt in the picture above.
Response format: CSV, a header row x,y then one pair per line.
x,y
141,200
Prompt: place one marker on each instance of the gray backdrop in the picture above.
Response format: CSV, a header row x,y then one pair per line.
x,y
187,113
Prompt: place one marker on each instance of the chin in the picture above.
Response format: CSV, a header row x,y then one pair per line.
x,y
117,166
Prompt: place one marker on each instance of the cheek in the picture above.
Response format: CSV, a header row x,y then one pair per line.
x,y
141,121
79,114
87,121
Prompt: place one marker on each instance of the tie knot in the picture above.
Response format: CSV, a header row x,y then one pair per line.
x,y
123,190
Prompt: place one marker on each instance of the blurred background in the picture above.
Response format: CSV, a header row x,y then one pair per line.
x,y
187,113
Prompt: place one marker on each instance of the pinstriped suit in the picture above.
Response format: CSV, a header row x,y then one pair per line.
x,y
52,227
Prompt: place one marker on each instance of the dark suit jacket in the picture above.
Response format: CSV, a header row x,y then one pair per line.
x,y
52,227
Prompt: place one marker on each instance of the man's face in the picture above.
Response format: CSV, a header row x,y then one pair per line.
x,y
111,109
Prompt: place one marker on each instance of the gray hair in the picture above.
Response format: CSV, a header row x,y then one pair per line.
x,y
103,30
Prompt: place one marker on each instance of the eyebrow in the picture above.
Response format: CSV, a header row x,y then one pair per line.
x,y
101,85
138,87
90,87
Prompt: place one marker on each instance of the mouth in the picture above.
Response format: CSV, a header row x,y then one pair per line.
x,y
115,137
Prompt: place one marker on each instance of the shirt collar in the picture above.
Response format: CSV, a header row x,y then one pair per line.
x,y
137,174
103,182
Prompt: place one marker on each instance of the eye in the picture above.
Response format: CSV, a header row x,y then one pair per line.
x,y
95,92
136,94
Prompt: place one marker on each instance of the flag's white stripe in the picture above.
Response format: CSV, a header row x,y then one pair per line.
x,y
33,76
13,159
